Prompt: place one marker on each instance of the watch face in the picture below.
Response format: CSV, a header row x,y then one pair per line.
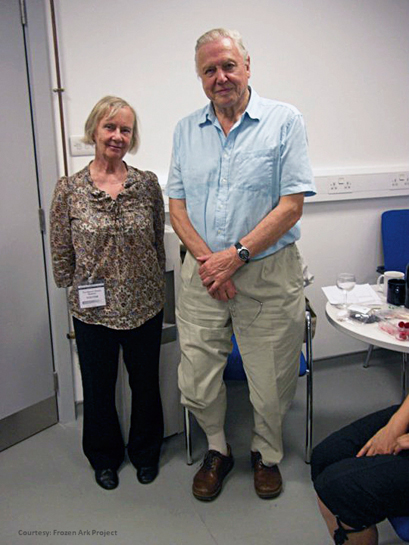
x,y
244,254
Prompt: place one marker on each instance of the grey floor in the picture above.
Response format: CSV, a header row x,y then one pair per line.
x,y
46,485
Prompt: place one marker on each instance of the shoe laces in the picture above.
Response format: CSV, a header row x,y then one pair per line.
x,y
209,461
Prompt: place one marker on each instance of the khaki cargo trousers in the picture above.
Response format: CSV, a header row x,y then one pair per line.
x,y
267,317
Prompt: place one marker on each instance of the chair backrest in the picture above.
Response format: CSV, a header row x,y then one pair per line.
x,y
401,527
395,239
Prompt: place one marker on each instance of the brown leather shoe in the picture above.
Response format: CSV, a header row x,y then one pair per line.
x,y
208,481
267,480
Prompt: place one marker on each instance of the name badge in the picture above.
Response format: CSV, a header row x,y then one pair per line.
x,y
92,295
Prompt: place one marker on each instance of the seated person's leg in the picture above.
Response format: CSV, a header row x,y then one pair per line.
x,y
347,441
338,530
363,491
356,493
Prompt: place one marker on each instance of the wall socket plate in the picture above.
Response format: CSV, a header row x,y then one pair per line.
x,y
400,181
78,147
348,186
339,184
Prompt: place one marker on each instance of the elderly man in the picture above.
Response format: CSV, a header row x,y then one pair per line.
x,y
236,189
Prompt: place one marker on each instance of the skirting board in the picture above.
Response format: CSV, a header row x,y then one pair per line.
x,y
29,421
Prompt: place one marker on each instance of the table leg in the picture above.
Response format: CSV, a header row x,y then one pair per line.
x,y
404,375
368,356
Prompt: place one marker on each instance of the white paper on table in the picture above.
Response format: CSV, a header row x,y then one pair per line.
x,y
362,294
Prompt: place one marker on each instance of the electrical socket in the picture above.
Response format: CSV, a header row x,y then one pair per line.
x,y
78,147
339,184
400,181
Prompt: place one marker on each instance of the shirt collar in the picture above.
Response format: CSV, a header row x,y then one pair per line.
x,y
207,115
253,109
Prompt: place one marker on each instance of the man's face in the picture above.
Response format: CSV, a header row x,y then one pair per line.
x,y
224,73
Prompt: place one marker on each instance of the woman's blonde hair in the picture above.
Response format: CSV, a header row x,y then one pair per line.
x,y
109,106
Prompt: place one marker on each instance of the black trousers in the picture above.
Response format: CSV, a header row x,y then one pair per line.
x,y
98,350
361,491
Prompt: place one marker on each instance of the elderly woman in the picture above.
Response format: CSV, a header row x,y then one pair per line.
x,y
107,224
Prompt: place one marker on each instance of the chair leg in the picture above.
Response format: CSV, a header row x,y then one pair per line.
x,y
309,408
368,355
188,437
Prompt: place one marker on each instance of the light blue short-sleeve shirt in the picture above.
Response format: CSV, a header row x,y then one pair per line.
x,y
230,183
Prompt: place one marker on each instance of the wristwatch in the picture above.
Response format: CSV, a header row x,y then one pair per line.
x,y
242,252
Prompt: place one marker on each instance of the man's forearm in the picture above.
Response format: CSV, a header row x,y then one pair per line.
x,y
220,266
184,229
275,225
195,244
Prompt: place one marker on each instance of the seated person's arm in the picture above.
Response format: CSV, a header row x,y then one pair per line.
x,y
393,437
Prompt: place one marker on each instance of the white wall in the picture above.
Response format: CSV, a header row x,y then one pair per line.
x,y
343,63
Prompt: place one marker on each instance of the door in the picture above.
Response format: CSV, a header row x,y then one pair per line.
x,y
27,391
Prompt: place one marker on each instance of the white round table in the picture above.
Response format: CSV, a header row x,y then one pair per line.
x,y
371,334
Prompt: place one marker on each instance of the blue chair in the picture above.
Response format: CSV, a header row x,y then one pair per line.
x,y
234,371
395,240
395,245
401,527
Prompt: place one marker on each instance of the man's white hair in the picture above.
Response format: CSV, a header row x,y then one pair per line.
x,y
216,34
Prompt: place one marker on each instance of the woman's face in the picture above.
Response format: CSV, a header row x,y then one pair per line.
x,y
113,135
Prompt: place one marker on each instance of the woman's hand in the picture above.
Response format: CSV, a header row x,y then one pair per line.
x,y
392,438
384,441
402,443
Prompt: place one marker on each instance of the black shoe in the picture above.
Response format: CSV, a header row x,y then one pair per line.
x,y
107,478
147,474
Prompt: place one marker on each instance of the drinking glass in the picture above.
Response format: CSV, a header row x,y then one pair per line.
x,y
345,282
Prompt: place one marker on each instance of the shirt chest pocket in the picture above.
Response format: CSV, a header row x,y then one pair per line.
x,y
256,171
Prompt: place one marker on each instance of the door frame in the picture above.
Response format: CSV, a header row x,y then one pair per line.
x,y
39,53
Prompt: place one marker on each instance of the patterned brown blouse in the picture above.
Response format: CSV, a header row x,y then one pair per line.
x,y
94,237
